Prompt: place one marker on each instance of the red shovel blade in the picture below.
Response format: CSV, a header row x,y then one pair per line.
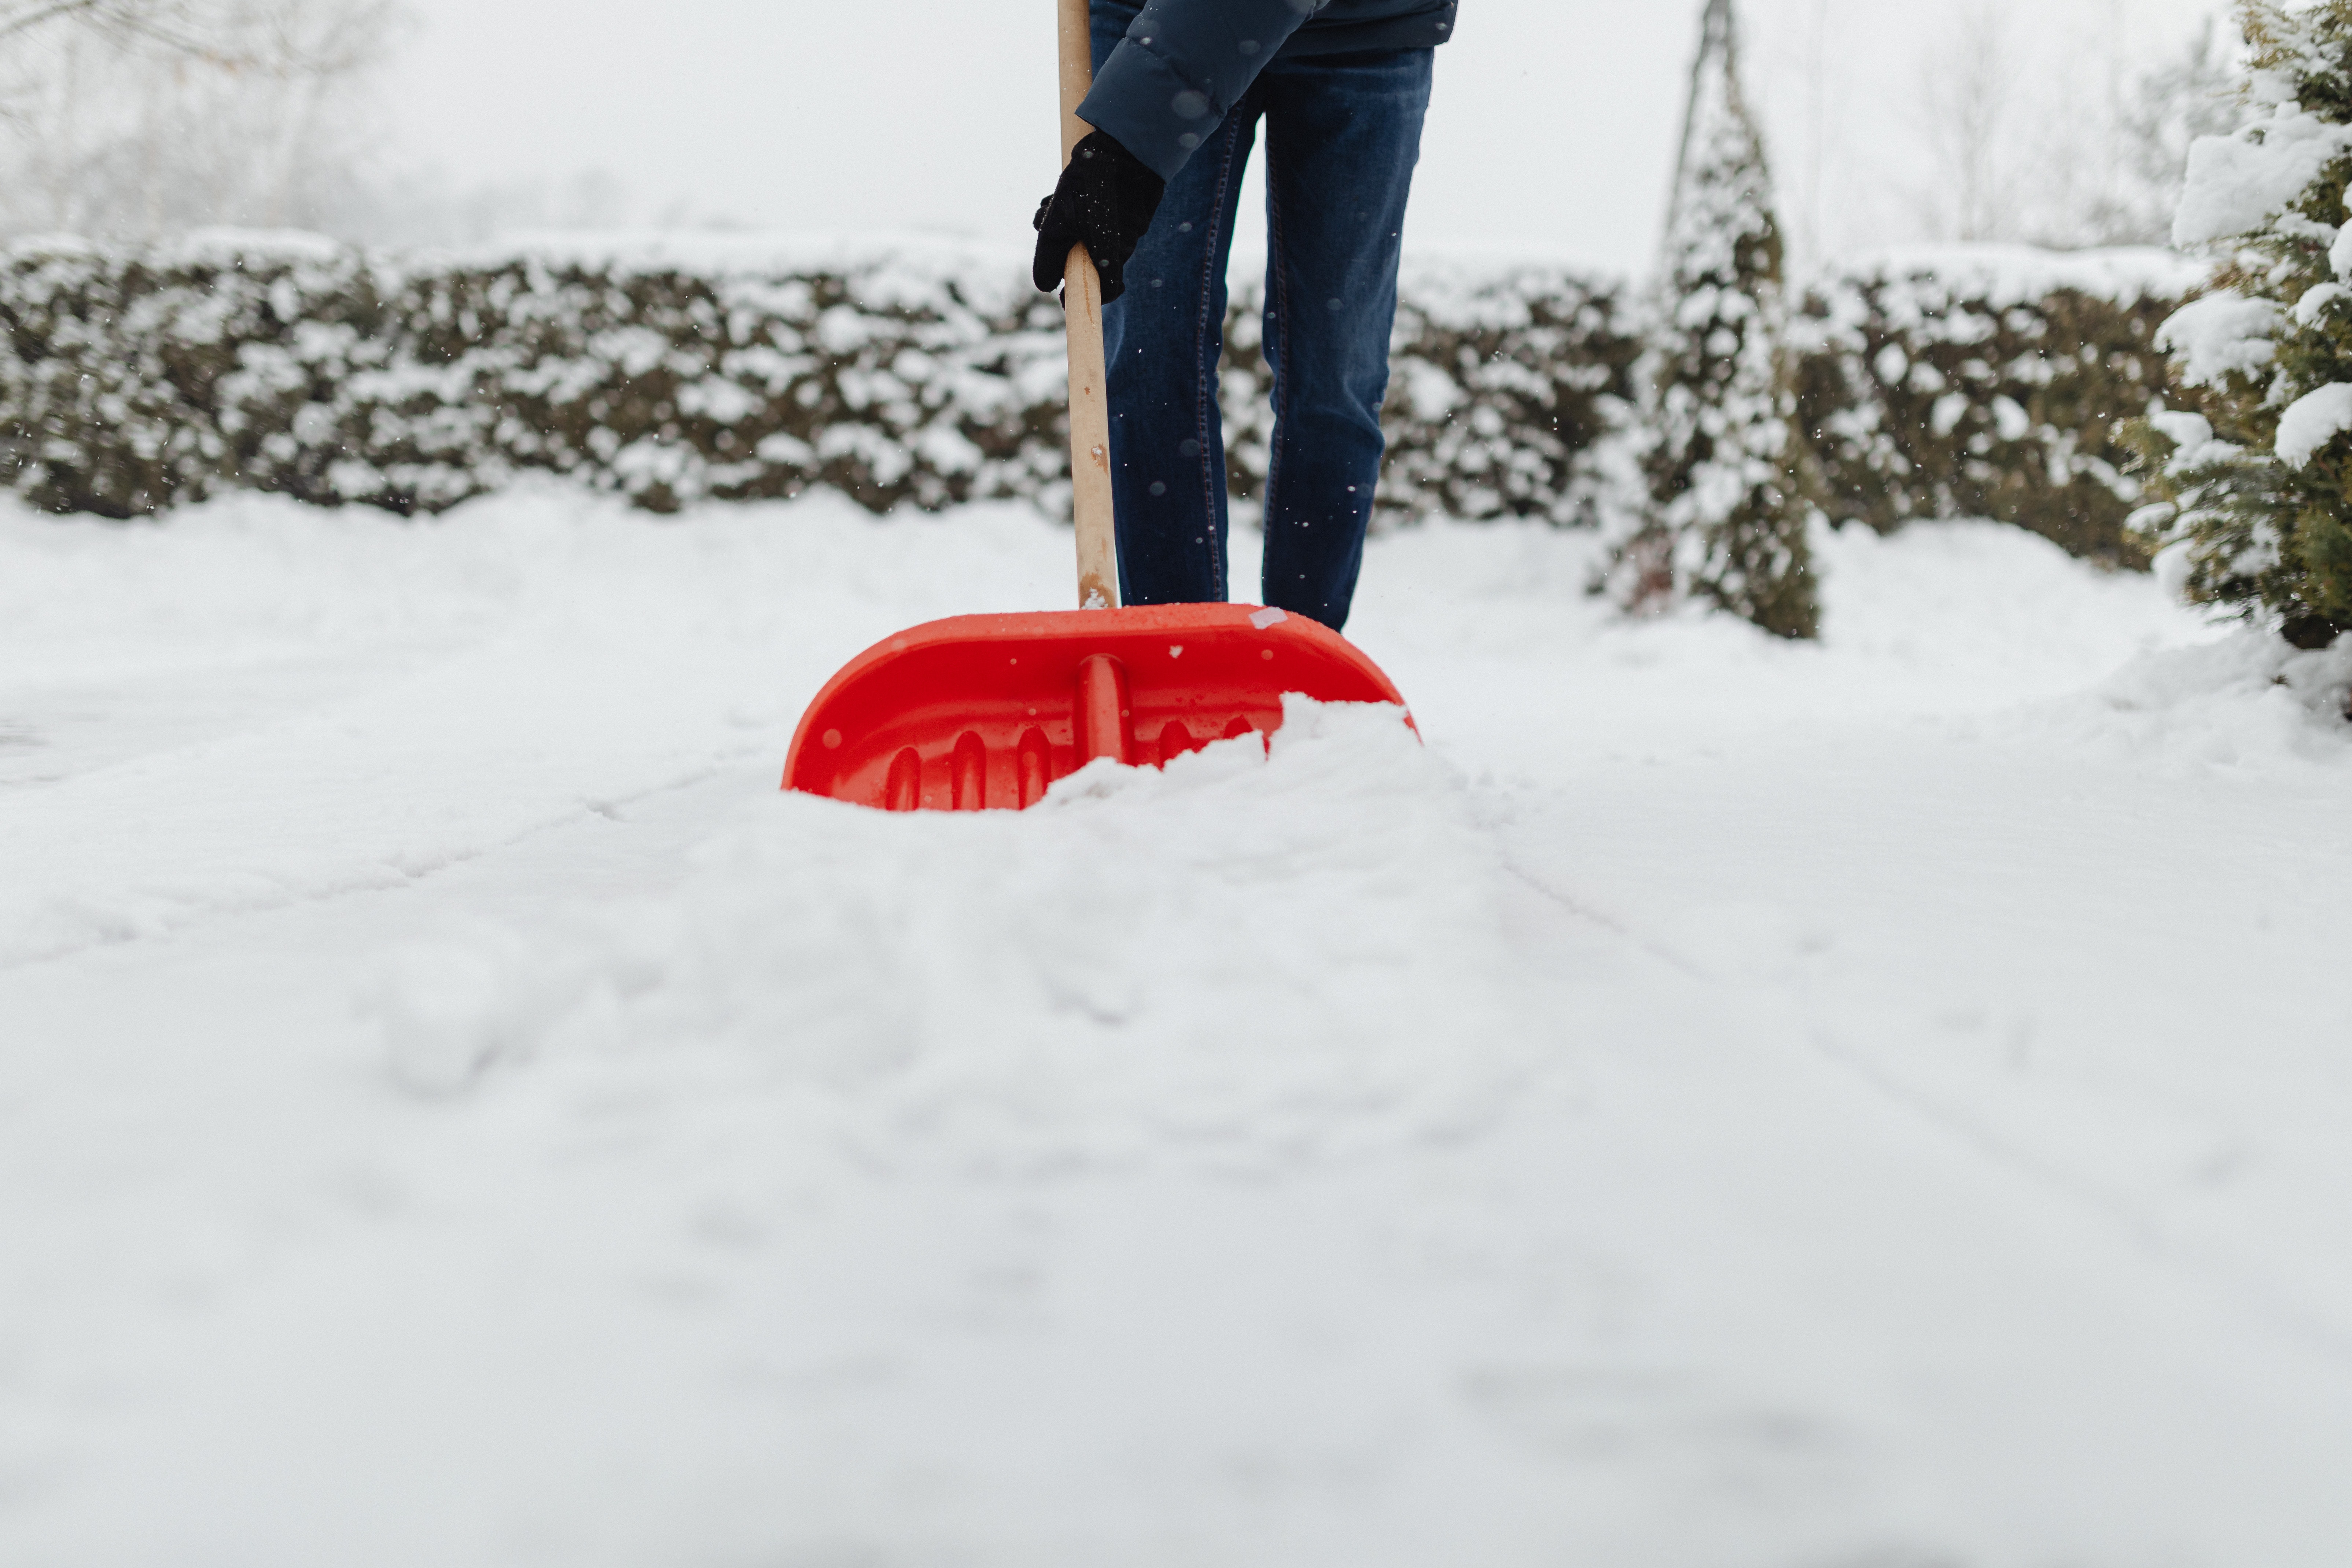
x,y
985,711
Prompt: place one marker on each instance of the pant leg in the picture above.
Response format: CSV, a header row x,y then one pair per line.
x,y
1343,133
1162,339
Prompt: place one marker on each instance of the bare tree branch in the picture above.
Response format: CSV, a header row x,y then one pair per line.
x,y
135,117
1968,82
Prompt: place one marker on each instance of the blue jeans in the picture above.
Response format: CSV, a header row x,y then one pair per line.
x,y
1343,132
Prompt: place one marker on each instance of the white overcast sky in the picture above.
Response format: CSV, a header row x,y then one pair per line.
x,y
1552,130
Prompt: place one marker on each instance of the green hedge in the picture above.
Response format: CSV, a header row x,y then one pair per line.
x,y
133,380
1989,383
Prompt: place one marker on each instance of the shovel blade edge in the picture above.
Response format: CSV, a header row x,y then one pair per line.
x,y
984,712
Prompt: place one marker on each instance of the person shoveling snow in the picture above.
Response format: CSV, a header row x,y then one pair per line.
x,y
1180,90
980,712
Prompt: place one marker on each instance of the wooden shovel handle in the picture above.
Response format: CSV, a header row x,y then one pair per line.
x,y
1089,381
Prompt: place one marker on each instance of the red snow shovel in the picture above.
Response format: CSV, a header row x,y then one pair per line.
x,y
985,711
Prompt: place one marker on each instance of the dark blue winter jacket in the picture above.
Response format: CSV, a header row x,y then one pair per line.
x,y
1185,63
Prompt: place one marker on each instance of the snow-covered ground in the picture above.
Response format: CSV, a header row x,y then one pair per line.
x,y
1720,1105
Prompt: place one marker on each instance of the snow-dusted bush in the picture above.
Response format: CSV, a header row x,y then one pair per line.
x,y
2256,478
1987,381
131,381
134,379
672,380
1510,396
1730,483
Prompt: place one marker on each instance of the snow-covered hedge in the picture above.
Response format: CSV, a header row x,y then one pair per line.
x,y
133,379
130,379
1988,381
1510,393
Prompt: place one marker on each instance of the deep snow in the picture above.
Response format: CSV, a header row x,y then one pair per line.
x,y
1719,1103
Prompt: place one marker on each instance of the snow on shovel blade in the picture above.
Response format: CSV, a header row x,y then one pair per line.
x,y
985,711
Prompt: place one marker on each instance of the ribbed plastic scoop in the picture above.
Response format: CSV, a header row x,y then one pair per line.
x,y
986,712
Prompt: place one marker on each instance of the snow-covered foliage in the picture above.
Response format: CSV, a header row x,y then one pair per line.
x,y
1987,381
2253,463
134,379
1952,383
1511,395
134,383
1730,497
1520,397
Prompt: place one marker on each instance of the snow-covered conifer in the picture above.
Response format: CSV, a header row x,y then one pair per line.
x,y
1730,504
2257,482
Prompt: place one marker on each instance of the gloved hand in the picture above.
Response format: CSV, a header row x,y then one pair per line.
x,y
1105,202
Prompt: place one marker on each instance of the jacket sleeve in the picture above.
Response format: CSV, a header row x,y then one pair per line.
x,y
1182,67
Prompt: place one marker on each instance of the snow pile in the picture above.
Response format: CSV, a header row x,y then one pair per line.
x,y
1249,958
1722,1100
2250,703
426,668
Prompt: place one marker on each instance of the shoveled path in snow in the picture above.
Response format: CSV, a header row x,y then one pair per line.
x,y
1721,1103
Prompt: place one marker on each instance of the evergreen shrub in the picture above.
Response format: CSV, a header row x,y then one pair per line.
x,y
1731,490
1510,394
2253,463
133,380
1988,381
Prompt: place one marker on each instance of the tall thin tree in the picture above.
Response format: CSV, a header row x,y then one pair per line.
x,y
1729,498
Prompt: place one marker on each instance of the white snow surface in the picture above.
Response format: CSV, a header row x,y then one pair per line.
x,y
2312,421
2005,275
2239,183
1719,1104
2221,335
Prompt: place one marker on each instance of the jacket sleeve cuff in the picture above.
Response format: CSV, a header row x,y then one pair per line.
x,y
1139,102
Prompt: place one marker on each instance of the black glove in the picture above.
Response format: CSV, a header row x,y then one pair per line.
x,y
1105,202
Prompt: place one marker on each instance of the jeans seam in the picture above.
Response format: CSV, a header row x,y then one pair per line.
x,y
1205,401
1277,351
